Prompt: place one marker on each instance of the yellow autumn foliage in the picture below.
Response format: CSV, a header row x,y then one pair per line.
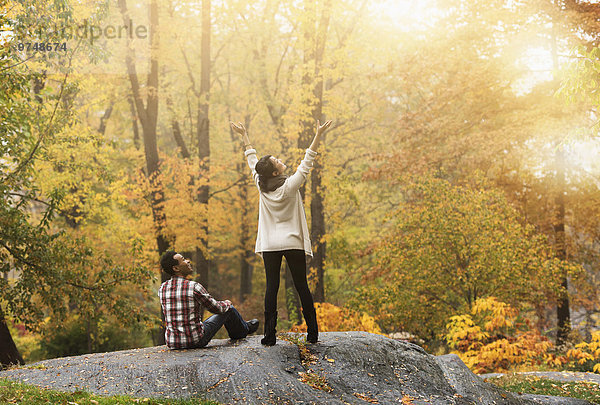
x,y
332,318
586,354
491,338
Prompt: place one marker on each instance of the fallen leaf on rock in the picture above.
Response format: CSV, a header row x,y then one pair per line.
x,y
365,398
406,400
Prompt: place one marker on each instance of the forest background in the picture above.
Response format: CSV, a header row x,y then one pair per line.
x,y
455,199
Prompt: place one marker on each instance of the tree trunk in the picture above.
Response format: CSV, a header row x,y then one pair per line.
x,y
177,131
317,232
204,142
306,124
563,314
245,237
88,333
38,86
312,82
105,117
148,116
245,254
134,120
9,354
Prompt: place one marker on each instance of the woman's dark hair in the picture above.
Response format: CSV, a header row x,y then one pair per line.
x,y
167,261
265,168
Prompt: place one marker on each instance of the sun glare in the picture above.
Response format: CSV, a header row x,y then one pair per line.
x,y
581,159
537,61
584,155
407,15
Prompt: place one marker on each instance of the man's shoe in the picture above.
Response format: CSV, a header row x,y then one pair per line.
x,y
252,326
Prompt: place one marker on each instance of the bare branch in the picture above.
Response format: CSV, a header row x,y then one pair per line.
x,y
131,70
241,180
189,69
16,64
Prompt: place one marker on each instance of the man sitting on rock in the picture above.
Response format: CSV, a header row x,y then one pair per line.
x,y
182,301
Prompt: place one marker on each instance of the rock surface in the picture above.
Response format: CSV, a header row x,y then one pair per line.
x,y
350,368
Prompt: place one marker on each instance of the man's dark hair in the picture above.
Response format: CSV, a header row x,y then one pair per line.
x,y
265,168
167,261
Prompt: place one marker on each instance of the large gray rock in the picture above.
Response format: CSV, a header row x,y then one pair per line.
x,y
352,367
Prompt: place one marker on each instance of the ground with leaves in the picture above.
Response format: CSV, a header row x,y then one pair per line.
x,y
344,367
575,385
16,393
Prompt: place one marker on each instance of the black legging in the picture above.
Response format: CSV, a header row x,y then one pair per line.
x,y
296,259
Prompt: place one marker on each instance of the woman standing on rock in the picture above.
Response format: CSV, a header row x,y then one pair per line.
x,y
282,228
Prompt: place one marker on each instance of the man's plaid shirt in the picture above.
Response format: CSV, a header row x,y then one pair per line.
x,y
182,301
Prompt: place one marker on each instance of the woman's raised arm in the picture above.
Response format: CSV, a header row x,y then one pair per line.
x,y
297,179
321,129
250,152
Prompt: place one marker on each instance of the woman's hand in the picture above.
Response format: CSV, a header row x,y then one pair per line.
x,y
322,128
241,129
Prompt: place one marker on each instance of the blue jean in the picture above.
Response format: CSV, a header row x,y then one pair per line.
x,y
236,327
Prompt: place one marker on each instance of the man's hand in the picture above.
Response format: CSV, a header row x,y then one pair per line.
x,y
228,302
240,129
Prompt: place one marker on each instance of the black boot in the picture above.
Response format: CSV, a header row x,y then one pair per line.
x,y
252,326
310,316
270,324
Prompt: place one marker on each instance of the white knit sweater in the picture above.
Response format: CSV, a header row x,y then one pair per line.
x,y
281,218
